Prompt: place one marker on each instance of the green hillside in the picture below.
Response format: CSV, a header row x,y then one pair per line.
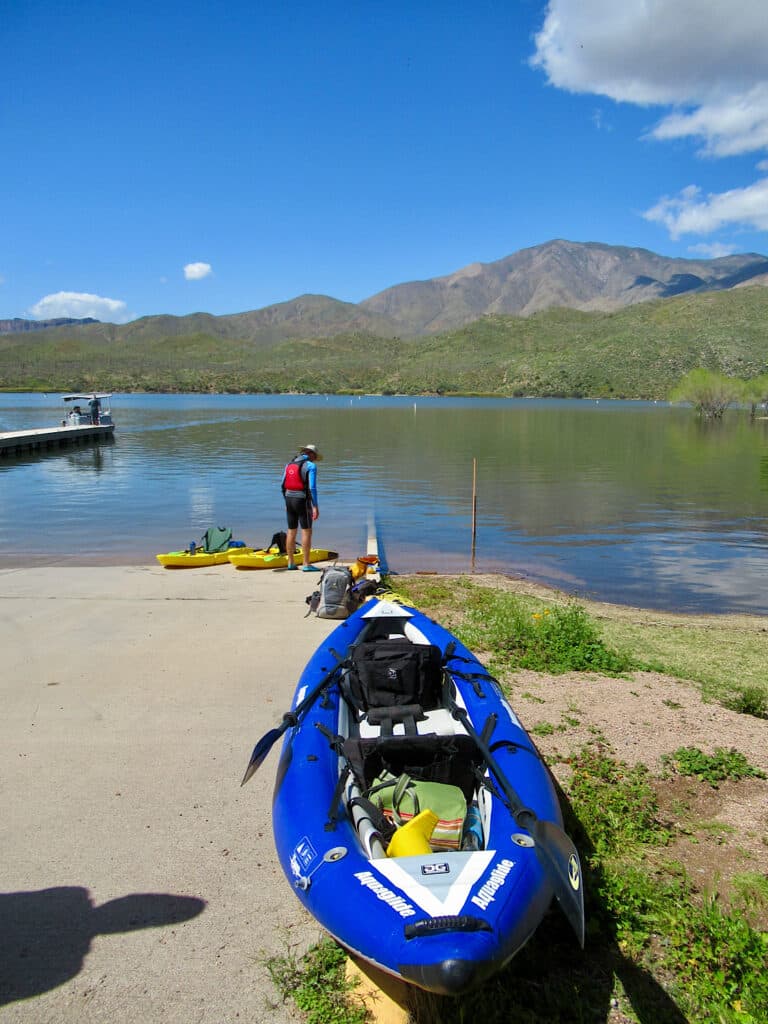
x,y
639,352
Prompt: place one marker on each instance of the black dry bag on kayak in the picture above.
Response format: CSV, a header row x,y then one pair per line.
x,y
394,672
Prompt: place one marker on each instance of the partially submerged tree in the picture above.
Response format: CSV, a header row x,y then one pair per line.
x,y
708,392
755,392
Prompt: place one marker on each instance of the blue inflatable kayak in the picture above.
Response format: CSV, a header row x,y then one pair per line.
x,y
413,815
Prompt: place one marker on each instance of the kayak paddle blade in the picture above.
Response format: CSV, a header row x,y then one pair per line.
x,y
290,719
560,859
260,752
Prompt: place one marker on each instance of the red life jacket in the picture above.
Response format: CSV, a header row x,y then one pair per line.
x,y
294,480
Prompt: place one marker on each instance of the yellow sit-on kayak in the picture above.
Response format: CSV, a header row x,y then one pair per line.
x,y
186,560
271,558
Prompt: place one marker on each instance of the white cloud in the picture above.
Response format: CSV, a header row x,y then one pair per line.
x,y
79,305
728,126
693,213
713,250
654,51
704,59
197,271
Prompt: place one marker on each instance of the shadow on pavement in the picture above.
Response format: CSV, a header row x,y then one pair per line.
x,y
45,935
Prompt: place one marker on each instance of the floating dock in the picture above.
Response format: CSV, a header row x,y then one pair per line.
x,y
20,442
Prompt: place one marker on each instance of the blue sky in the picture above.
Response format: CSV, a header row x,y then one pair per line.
x,y
172,158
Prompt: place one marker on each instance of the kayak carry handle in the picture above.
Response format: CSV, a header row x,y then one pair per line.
x,y
438,925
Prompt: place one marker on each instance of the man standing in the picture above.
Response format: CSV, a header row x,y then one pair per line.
x,y
299,486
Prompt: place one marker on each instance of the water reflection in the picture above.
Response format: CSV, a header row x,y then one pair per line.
x,y
631,502
87,454
90,460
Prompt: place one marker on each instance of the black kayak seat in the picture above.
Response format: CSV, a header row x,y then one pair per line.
x,y
448,759
391,671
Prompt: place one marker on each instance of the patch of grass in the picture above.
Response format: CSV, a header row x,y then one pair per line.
x,y
712,957
615,803
542,729
435,592
749,700
557,639
712,768
714,953
725,660
716,828
547,729
752,894
317,984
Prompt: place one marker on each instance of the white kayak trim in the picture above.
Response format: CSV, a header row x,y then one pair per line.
x,y
387,610
444,892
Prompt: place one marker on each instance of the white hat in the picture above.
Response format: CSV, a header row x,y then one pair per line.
x,y
312,450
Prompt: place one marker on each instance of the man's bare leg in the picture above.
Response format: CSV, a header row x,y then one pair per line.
x,y
290,546
306,544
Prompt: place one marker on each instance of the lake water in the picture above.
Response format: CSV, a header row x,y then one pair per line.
x,y
637,503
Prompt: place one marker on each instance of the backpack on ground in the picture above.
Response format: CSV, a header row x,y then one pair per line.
x,y
333,599
356,594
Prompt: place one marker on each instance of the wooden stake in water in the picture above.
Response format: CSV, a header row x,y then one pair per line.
x,y
474,510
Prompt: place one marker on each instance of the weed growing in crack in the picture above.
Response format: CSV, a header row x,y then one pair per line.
x,y
317,984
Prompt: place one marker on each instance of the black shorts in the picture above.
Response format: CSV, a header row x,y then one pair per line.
x,y
299,513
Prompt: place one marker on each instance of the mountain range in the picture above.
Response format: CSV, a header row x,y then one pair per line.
x,y
572,275
18,325
586,276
